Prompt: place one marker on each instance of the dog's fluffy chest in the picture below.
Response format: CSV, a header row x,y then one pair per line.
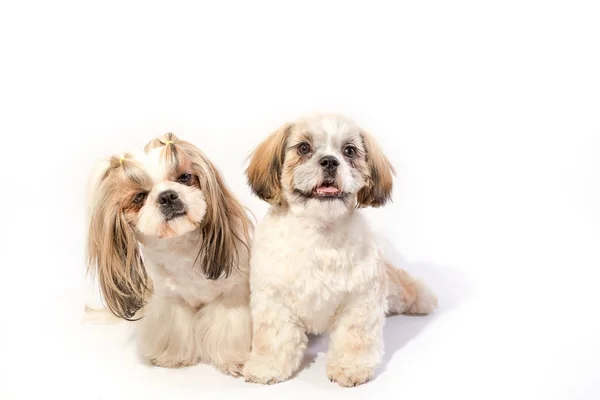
x,y
172,265
313,268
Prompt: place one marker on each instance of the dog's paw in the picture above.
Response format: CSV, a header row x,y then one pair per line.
x,y
233,369
263,371
425,300
167,362
349,375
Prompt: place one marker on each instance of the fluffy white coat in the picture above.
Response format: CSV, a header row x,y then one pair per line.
x,y
315,266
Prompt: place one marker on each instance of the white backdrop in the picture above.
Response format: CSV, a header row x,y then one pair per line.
x,y
489,111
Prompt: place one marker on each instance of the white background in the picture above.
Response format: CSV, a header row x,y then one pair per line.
x,y
490,112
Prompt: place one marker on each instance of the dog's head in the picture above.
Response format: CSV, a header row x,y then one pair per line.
x,y
321,162
165,192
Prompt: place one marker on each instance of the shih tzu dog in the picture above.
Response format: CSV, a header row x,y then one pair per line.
x,y
168,240
315,266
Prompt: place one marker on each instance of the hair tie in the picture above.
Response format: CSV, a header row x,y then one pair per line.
x,y
121,160
168,142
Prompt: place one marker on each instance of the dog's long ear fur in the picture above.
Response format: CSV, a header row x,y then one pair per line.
x,y
226,227
112,249
378,190
266,162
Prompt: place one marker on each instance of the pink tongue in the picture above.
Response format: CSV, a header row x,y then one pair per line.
x,y
327,190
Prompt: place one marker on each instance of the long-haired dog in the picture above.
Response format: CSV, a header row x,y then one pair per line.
x,y
168,240
315,266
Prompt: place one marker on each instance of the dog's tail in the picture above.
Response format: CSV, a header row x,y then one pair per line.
x,y
407,295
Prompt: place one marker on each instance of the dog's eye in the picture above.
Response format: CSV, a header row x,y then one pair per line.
x,y
350,151
184,178
139,198
303,149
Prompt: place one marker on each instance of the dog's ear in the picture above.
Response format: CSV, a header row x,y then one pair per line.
x,y
266,162
112,249
226,228
379,175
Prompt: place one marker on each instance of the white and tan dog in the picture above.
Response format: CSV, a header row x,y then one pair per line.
x,y
168,240
315,266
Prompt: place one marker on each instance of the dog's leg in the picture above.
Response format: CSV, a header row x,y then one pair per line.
x,y
278,342
356,341
166,333
224,333
407,295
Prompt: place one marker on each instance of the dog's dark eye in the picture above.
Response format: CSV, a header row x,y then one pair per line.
x,y
184,178
304,149
139,198
350,151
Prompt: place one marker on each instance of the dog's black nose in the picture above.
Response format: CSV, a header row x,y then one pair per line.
x,y
329,162
170,204
167,198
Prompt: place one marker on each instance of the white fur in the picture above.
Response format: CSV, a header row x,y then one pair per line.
x,y
310,276
189,318
316,268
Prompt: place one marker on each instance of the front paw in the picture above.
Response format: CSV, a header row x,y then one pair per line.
x,y
349,375
168,362
264,371
234,369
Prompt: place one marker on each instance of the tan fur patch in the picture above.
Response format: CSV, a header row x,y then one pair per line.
x,y
112,249
400,293
265,168
379,176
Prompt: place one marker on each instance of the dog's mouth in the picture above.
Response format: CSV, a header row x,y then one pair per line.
x,y
173,214
327,190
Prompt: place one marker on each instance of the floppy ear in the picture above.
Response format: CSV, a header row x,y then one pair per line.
x,y
113,253
226,226
264,170
379,176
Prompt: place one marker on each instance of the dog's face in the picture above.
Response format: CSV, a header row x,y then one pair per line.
x,y
161,194
321,162
165,192
324,161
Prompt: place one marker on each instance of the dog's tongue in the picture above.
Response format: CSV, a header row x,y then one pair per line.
x,y
327,190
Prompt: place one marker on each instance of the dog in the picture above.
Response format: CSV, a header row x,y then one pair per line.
x,y
315,266
169,245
